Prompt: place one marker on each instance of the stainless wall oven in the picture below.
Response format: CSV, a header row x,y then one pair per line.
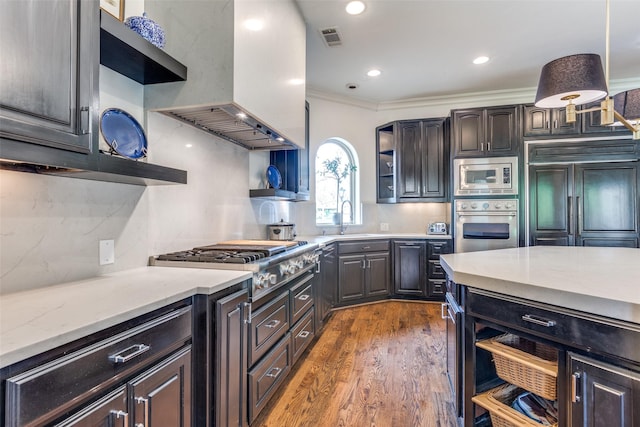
x,y
485,224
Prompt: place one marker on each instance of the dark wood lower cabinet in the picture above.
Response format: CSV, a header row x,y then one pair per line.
x,y
110,411
161,396
603,395
232,320
410,270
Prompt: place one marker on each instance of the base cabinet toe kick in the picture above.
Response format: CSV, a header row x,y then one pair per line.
x,y
585,365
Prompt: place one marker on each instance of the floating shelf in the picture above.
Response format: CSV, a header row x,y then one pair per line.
x,y
278,194
126,52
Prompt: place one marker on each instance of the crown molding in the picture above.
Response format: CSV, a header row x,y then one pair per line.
x,y
496,97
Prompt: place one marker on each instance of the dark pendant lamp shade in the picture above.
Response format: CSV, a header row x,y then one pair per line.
x,y
628,105
579,78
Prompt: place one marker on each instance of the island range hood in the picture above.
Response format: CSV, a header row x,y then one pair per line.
x,y
246,61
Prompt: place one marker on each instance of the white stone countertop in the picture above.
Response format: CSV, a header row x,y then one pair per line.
x,y
602,281
330,238
34,321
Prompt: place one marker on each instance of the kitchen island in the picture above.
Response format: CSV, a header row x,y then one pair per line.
x,y
581,305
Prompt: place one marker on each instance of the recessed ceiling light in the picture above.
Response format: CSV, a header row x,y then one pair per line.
x,y
188,145
481,60
374,73
254,24
355,7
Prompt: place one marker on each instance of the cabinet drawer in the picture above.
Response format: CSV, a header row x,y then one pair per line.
x,y
576,329
435,248
265,378
268,325
365,246
302,334
437,288
436,271
40,394
301,299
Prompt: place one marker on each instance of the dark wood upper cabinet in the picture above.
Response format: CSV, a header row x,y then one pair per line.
x,y
48,95
412,163
480,132
548,121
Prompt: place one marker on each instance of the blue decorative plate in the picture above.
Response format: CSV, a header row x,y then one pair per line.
x,y
123,133
274,177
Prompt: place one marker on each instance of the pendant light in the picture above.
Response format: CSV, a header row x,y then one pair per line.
x,y
579,79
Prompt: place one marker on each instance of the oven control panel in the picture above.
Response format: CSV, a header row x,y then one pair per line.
x,y
486,205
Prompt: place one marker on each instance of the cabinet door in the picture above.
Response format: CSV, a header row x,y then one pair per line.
x,y
502,132
559,124
351,280
607,204
468,133
409,268
551,205
378,274
537,121
161,397
110,411
603,395
232,314
434,161
47,94
328,284
409,149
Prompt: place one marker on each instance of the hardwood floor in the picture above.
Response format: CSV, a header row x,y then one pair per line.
x,y
374,365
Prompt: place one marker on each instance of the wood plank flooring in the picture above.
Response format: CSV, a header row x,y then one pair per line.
x,y
377,365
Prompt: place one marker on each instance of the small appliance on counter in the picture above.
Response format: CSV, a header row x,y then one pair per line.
x,y
281,231
439,228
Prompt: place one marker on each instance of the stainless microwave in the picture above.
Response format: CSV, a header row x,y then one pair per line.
x,y
485,176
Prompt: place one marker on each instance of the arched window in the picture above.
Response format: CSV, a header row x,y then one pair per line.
x,y
337,183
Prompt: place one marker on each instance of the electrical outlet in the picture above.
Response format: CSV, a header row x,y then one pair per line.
x,y
384,226
107,252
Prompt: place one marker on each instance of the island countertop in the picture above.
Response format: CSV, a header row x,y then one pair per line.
x,y
597,280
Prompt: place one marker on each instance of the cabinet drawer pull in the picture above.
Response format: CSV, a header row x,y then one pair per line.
x,y
274,372
85,120
272,324
303,334
145,402
129,353
575,396
366,247
538,320
124,415
247,311
444,307
304,297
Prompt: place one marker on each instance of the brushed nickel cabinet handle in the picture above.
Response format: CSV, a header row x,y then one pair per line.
x,y
274,372
129,353
575,396
579,218
145,403
124,415
272,324
85,118
443,308
538,320
304,297
303,334
570,214
247,311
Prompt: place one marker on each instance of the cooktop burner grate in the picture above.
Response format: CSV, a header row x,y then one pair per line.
x,y
199,255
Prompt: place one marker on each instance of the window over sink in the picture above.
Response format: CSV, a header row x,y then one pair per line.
x,y
337,183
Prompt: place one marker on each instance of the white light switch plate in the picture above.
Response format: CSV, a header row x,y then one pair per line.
x,y
107,252
384,226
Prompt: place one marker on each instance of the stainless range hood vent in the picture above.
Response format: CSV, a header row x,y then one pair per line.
x,y
232,124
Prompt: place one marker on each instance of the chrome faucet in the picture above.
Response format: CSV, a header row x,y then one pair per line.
x,y
342,226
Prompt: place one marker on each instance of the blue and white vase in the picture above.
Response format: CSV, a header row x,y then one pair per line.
x,y
147,28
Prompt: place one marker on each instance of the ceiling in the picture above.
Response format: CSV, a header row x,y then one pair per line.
x,y
425,48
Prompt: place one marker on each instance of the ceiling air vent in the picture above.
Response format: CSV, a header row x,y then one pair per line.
x,y
331,36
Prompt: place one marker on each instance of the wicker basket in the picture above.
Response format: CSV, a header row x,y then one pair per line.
x,y
497,401
525,363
